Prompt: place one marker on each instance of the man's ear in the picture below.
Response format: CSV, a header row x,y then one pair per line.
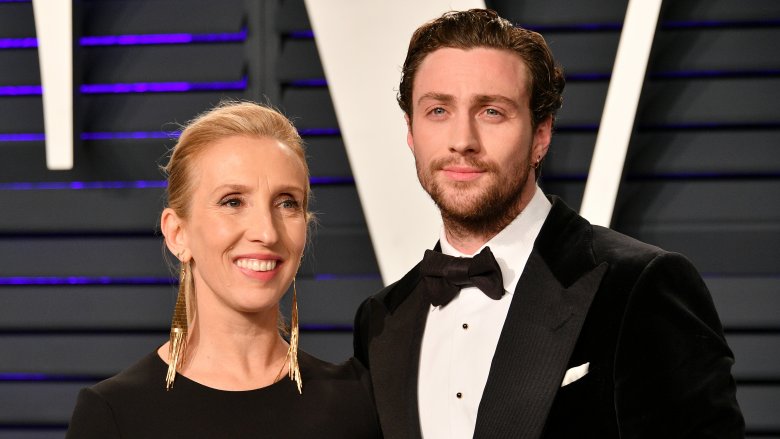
x,y
542,138
409,137
172,227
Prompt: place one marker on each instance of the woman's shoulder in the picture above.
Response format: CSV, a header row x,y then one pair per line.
x,y
321,369
145,374
348,378
336,392
100,408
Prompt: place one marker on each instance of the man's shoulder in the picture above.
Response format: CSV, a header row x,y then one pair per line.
x,y
613,246
565,228
395,293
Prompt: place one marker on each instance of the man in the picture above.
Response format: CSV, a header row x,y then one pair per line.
x,y
576,331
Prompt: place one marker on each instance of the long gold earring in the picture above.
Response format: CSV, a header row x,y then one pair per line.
x,y
292,351
178,338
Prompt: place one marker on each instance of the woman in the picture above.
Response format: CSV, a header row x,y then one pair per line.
x,y
238,192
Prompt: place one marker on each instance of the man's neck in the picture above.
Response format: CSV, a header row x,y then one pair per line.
x,y
468,240
463,241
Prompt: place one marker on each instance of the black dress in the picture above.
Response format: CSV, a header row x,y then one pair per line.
x,y
336,403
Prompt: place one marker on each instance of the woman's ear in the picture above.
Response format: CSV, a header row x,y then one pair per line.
x,y
173,229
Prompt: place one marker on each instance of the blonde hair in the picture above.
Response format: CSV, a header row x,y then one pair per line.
x,y
229,118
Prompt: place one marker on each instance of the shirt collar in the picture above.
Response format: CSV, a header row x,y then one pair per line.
x,y
512,246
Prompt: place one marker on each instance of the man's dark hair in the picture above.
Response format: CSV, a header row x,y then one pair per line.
x,y
484,28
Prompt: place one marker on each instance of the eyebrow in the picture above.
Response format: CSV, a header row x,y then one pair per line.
x,y
486,99
441,97
235,187
231,186
478,100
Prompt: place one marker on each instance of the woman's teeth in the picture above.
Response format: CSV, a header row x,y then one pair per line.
x,y
256,264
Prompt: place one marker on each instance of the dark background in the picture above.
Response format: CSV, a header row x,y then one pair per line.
x,y
84,286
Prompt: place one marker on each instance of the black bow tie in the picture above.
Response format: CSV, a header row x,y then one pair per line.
x,y
445,275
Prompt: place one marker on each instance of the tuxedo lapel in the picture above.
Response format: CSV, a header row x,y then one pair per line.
x,y
538,337
395,358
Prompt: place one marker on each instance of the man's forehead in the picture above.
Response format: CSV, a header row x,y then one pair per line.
x,y
476,72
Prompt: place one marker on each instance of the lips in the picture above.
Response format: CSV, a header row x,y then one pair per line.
x,y
258,265
462,173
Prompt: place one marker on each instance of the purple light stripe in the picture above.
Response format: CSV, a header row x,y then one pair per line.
x,y
22,137
78,185
20,90
170,135
22,376
705,24
315,82
162,87
711,126
18,43
134,40
331,180
160,39
136,184
705,176
319,132
85,280
136,87
694,74
300,34
114,135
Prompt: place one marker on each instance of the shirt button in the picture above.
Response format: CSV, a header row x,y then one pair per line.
x,y
465,326
459,395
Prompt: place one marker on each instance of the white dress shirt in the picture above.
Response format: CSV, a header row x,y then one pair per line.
x,y
460,338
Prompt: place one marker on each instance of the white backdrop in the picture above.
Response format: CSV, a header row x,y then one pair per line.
x,y
362,45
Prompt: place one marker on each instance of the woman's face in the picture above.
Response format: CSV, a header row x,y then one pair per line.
x,y
247,224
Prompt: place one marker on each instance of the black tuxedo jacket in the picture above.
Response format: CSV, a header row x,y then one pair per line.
x,y
642,317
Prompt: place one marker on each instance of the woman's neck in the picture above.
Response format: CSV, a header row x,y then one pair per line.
x,y
240,352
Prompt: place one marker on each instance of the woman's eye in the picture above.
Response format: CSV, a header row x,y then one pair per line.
x,y
289,204
231,202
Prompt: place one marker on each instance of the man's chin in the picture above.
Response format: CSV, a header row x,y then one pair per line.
x,y
459,207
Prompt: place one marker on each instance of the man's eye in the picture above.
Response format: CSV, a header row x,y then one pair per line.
x,y
438,111
492,112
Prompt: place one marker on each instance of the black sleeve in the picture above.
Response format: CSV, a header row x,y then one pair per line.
x,y
673,366
92,418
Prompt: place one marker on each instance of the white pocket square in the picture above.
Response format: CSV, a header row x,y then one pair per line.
x,y
575,373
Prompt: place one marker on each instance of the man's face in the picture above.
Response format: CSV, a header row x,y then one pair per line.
x,y
472,137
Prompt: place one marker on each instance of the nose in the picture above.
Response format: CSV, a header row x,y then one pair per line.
x,y
464,138
262,225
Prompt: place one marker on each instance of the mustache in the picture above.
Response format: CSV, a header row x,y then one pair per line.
x,y
472,162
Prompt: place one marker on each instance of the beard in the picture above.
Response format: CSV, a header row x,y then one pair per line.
x,y
470,210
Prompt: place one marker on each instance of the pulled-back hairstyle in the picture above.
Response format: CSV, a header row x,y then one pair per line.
x,y
229,118
484,28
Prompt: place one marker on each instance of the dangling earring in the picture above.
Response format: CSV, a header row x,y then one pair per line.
x,y
178,338
292,351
